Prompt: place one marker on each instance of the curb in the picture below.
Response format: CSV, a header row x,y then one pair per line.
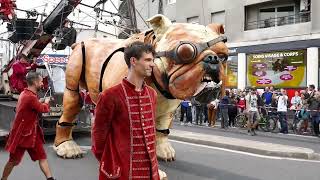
x,y
311,155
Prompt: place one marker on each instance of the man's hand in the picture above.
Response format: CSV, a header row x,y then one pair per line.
x,y
41,100
33,66
47,100
210,106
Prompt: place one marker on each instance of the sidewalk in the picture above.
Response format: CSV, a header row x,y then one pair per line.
x,y
256,147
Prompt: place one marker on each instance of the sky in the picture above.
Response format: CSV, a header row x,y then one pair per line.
x,y
81,14
86,16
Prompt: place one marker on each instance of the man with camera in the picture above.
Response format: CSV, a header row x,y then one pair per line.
x,y
282,110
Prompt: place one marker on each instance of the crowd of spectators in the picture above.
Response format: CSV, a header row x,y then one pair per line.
x,y
304,105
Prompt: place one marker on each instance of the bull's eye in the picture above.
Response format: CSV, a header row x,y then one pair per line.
x,y
186,52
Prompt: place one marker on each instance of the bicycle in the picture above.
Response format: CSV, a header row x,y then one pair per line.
x,y
241,120
266,122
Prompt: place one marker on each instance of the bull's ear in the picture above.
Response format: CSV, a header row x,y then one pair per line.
x,y
218,28
160,24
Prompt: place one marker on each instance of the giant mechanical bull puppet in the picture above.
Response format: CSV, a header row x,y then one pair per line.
x,y
190,62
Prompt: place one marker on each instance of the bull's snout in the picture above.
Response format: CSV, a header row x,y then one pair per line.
x,y
212,67
213,59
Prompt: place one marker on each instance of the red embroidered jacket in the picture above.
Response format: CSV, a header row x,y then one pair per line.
x,y
123,134
25,126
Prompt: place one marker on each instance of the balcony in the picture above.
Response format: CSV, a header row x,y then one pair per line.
x,y
279,21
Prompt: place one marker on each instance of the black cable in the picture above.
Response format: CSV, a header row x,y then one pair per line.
x,y
115,14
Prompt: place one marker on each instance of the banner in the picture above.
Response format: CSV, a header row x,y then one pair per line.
x,y
285,69
232,72
53,59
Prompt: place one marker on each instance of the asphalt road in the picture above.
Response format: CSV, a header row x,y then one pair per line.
x,y
207,163
194,162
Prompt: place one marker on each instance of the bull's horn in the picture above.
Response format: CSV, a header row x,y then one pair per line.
x,y
160,24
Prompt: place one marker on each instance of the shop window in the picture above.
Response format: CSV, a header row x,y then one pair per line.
x,y
232,72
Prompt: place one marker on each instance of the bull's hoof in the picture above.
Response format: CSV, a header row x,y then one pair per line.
x,y
164,149
69,149
163,175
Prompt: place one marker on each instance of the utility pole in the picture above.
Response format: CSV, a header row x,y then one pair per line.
x,y
132,15
149,9
160,7
97,10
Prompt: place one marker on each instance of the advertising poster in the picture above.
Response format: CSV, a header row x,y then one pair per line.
x,y
285,69
232,72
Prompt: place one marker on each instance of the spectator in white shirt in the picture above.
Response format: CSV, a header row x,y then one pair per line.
x,y
282,110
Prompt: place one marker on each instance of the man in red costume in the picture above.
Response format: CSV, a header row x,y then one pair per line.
x,y
123,133
18,77
26,134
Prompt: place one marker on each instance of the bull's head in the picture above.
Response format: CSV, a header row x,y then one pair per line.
x,y
189,59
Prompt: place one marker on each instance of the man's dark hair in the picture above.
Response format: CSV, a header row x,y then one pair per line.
x,y
31,77
227,93
312,86
24,57
136,49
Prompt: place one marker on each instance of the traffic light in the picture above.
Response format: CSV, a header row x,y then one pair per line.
x,y
7,10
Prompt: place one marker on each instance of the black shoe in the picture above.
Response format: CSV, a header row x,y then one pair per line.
x,y
253,132
51,178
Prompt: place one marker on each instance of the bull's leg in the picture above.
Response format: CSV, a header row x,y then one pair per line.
x,y
64,145
165,150
71,108
165,114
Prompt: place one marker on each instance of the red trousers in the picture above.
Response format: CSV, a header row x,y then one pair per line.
x,y
36,153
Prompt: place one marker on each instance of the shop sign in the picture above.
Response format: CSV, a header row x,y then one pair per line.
x,y
285,69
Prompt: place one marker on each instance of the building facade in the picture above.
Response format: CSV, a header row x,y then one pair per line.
x,y
271,42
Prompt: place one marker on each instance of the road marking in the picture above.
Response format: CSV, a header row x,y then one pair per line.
x,y
245,153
